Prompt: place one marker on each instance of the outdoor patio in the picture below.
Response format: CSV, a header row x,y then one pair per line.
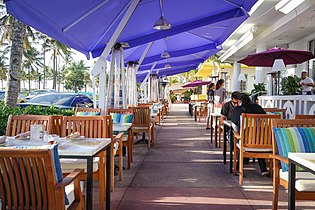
x,y
184,171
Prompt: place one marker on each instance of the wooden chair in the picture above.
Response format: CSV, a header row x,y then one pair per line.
x,y
57,121
142,123
255,139
22,123
127,140
276,111
202,111
85,109
28,181
304,116
93,127
283,180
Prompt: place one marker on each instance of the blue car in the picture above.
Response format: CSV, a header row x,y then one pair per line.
x,y
60,100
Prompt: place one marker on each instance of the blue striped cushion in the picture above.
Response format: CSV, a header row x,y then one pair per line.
x,y
116,117
294,140
88,114
122,118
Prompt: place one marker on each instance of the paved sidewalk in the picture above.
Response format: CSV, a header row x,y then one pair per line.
x,y
184,171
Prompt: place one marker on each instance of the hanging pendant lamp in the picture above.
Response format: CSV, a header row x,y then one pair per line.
x,y
162,23
165,54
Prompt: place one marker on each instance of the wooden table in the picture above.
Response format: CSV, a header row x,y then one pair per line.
x,y
87,148
126,127
303,160
216,116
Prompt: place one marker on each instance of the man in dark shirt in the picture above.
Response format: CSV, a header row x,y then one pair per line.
x,y
252,108
228,107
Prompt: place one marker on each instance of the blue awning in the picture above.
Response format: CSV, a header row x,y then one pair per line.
x,y
88,25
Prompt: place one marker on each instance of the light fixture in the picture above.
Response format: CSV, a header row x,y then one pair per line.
x,y
241,78
167,66
278,65
162,24
286,6
165,54
245,39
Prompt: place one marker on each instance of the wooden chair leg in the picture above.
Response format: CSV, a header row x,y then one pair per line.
x,y
270,167
129,151
235,158
112,171
102,181
153,135
241,167
149,138
120,160
276,177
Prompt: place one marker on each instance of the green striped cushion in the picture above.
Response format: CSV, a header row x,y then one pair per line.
x,y
294,140
121,118
88,114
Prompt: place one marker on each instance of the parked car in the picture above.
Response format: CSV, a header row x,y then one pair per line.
x,y
38,92
61,100
21,98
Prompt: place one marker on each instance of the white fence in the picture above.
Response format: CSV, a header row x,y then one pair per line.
x,y
294,104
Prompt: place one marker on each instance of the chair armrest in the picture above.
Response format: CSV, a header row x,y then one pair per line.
x,y
277,157
69,178
118,137
236,135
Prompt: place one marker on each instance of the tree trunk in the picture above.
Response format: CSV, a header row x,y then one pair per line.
x,y
29,81
55,71
15,69
44,71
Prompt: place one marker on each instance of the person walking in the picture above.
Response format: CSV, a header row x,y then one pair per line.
x,y
220,90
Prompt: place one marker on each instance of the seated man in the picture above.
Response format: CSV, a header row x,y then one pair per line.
x,y
251,108
228,107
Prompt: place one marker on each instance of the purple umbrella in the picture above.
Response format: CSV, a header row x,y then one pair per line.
x,y
266,58
196,83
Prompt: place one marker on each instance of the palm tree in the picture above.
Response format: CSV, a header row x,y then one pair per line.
x,y
32,61
17,33
76,76
58,49
3,65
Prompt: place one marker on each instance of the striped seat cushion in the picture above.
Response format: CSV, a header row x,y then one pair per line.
x,y
294,140
88,114
122,118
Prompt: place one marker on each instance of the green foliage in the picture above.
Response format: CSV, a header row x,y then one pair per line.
x,y
187,94
172,97
260,87
5,111
291,86
77,76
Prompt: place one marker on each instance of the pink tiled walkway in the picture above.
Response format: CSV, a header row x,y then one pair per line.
x,y
184,171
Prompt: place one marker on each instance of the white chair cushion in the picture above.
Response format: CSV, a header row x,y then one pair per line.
x,y
139,128
247,149
68,165
69,190
305,181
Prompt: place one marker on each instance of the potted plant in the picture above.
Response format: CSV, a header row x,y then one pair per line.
x,y
291,86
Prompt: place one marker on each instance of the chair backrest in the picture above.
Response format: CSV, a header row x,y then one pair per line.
x,y
27,179
145,104
85,109
304,116
22,123
119,111
276,111
88,126
141,116
256,130
280,123
57,121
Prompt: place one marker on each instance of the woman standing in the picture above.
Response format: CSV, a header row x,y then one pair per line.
x,y
220,90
